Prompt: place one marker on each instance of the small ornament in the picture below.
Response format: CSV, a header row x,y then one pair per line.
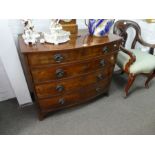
x,y
30,36
99,27
57,34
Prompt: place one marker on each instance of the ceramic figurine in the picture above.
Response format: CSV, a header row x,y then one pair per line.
x,y
30,36
57,34
99,27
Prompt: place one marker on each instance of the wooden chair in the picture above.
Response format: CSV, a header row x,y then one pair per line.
x,y
133,61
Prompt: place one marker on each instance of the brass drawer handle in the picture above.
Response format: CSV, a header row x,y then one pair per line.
x,y
58,57
59,73
105,49
102,62
100,76
61,101
59,88
98,89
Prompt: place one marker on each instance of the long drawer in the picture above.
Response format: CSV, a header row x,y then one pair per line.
x,y
57,57
52,73
63,86
74,98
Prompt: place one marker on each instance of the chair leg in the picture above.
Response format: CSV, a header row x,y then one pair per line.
x,y
150,77
131,79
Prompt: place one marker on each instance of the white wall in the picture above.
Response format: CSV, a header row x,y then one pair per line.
x,y
11,63
6,90
148,33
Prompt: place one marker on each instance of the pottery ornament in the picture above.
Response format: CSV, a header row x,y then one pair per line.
x,y
30,36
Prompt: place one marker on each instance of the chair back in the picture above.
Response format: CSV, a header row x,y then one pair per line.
x,y
121,27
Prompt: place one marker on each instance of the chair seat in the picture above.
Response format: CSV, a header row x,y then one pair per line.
x,y
145,63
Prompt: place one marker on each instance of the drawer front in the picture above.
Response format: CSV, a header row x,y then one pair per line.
x,y
64,86
49,74
57,57
74,98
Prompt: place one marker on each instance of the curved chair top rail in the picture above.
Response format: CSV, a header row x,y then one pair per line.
x,y
121,27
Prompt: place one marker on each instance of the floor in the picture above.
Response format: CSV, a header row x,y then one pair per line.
x,y
108,115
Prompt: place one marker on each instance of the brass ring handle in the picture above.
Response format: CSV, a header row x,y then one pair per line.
x,y
102,62
100,76
58,57
61,101
98,89
59,88
105,49
59,73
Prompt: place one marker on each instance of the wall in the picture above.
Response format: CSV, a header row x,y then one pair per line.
x,y
148,33
6,90
12,66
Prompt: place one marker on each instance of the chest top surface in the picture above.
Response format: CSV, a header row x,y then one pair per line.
x,y
82,40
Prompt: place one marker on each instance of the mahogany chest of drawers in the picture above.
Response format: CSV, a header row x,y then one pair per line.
x,y
65,75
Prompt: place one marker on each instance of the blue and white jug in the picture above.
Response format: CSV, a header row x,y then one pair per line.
x,y
99,27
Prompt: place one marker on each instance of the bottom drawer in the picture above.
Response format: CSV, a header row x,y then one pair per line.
x,y
70,99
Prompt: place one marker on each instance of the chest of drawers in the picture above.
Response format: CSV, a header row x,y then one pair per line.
x,y
62,76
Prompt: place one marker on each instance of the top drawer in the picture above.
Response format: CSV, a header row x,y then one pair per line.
x,y
56,57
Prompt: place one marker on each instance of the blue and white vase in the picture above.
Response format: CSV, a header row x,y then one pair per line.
x,y
99,27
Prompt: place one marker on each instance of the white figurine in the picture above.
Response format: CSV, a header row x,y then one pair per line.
x,y
55,25
57,34
30,36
